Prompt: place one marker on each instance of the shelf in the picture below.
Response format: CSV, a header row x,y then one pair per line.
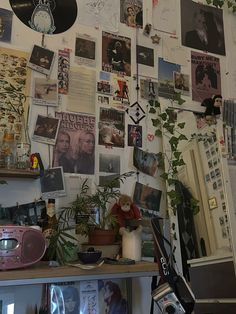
x,y
42,273
18,173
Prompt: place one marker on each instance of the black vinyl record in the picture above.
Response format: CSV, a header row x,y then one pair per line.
x,y
46,16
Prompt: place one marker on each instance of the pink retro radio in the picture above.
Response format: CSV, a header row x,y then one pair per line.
x,y
20,246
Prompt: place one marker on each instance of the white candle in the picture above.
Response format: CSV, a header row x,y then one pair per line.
x,y
131,243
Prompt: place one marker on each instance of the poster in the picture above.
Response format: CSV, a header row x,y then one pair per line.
x,y
14,89
202,27
45,92
116,54
111,127
206,80
74,149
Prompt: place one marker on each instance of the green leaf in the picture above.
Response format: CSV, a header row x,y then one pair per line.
x,y
157,104
163,116
164,176
158,133
172,194
156,122
181,125
177,154
152,110
174,141
182,137
151,102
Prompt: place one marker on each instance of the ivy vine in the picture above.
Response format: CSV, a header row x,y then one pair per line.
x,y
166,125
220,3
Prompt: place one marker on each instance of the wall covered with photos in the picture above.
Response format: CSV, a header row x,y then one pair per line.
x,y
83,108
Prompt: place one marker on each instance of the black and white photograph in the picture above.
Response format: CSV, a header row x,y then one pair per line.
x,y
106,179
85,50
45,92
52,183
202,27
46,129
5,25
41,60
149,89
109,163
145,55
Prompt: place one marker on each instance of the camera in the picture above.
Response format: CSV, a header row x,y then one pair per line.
x,y
167,300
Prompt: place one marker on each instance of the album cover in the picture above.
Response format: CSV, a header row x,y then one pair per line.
x,y
41,60
145,161
46,129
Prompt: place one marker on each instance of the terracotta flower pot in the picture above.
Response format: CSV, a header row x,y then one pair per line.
x,y
101,237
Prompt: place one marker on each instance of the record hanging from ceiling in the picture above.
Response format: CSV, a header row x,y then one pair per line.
x,y
46,16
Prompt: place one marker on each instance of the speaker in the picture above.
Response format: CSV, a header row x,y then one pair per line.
x,y
20,246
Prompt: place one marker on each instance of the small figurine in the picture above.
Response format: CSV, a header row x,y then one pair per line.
x,y
34,162
213,108
125,209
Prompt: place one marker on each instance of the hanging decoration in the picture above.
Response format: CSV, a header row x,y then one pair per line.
x,y
46,16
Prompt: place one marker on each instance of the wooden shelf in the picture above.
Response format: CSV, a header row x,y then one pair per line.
x,y
42,273
18,173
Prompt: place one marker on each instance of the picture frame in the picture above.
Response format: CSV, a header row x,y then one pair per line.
x,y
41,60
212,203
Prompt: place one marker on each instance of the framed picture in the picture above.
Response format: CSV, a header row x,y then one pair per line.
x,y
212,202
41,60
46,129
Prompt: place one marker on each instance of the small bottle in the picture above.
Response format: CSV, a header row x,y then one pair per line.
x,y
8,150
23,148
49,228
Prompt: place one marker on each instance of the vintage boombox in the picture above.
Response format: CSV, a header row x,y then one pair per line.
x,y
20,246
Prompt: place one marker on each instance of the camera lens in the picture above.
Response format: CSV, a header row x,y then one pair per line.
x,y
170,309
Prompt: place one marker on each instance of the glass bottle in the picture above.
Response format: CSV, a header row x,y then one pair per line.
x,y
8,150
23,148
49,228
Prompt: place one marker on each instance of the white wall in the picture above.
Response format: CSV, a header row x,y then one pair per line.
x,y
23,38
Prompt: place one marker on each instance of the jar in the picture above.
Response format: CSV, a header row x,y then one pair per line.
x,y
8,151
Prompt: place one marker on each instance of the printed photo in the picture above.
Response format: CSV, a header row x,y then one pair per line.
x,y
181,83
200,120
104,87
45,92
113,296
65,298
131,13
121,90
148,89
75,144
52,183
145,55
135,135
46,129
206,80
116,54
111,127
106,179
104,100
212,202
145,162
147,197
165,78
5,25
202,27
63,71
109,163
85,50
41,60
